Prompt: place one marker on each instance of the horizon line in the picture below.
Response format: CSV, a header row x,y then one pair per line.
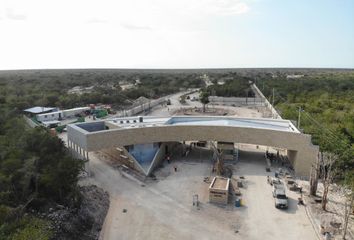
x,y
212,68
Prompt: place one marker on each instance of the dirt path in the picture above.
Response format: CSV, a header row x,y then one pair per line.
x,y
156,211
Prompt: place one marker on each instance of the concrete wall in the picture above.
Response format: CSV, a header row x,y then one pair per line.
x,y
236,101
274,112
30,122
111,125
141,108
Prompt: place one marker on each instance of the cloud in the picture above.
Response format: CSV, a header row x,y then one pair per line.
x,y
96,21
12,15
228,7
210,7
135,27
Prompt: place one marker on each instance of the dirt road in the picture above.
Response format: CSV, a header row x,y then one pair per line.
x,y
163,209
262,219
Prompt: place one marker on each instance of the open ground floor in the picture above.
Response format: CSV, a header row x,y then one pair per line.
x,y
162,207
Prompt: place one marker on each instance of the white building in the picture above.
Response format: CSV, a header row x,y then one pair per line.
x,y
62,114
49,116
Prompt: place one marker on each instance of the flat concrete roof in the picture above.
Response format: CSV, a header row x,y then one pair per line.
x,y
38,109
260,123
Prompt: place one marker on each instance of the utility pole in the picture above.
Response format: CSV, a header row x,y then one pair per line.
x,y
273,99
273,105
299,118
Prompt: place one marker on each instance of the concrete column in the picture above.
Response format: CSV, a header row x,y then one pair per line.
x,y
87,164
292,157
72,149
77,151
302,160
69,147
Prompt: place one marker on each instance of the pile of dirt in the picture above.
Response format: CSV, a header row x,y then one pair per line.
x,y
208,111
84,222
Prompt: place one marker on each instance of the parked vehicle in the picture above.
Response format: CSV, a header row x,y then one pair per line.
x,y
273,180
280,199
277,186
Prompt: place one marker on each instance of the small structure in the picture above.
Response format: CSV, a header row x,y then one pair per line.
x,y
62,114
31,112
219,190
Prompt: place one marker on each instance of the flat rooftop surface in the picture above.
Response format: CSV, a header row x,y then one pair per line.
x,y
261,123
220,183
38,109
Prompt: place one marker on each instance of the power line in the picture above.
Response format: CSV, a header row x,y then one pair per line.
x,y
330,133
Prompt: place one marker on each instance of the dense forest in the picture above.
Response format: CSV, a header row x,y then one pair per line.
x,y
23,89
35,171
232,85
326,105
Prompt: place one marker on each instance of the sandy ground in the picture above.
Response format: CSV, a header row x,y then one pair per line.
x,y
163,209
176,108
335,210
262,219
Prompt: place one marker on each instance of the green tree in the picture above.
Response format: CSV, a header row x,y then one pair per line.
x,y
204,98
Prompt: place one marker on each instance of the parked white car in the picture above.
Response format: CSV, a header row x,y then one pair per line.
x,y
277,186
273,180
280,198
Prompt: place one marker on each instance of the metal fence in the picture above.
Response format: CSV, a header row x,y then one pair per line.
x,y
237,101
142,108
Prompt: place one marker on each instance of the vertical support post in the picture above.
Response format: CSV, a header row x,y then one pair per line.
x,y
77,151
69,147
299,118
87,163
273,113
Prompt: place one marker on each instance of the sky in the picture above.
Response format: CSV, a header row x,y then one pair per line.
x,y
40,34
